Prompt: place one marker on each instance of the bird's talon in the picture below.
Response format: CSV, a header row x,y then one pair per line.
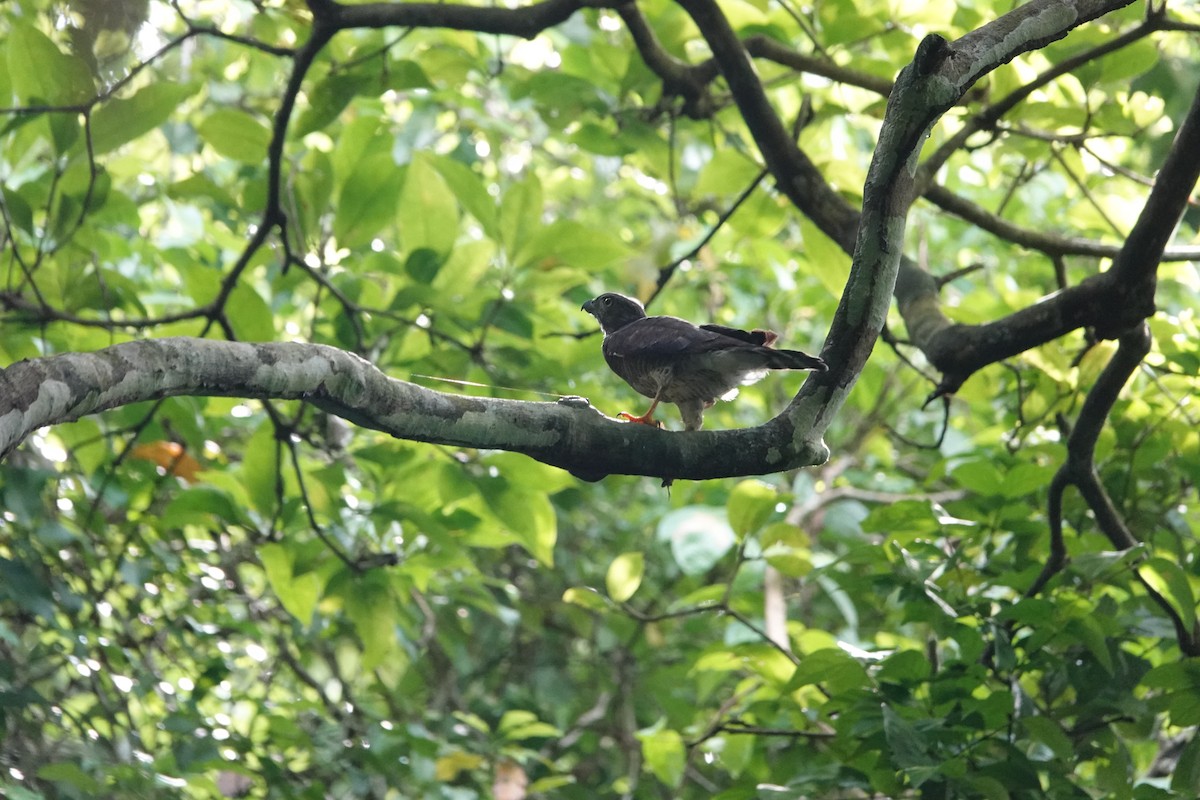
x,y
645,420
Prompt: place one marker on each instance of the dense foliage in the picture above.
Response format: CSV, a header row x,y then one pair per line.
x,y
208,596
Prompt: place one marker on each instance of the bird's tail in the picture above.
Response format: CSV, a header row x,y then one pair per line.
x,y
794,359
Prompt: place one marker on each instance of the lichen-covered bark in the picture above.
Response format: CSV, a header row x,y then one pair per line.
x,y
571,435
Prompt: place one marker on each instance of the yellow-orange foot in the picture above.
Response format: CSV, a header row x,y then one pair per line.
x,y
645,419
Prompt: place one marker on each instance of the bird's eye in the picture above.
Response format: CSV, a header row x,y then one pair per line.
x,y
608,301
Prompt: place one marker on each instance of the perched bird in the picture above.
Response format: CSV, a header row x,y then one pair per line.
x,y
671,360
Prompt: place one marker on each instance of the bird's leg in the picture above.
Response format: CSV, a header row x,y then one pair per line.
x,y
644,419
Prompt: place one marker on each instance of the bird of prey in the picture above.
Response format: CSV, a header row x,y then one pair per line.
x,y
673,361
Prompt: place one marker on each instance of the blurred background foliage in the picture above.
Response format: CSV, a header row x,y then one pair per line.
x,y
209,597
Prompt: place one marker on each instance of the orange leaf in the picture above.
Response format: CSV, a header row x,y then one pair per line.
x,y
170,456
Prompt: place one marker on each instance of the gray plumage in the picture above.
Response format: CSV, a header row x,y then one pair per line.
x,y
671,360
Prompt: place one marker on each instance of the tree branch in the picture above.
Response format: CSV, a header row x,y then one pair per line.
x,y
945,73
1079,470
796,175
1111,302
569,434
770,49
526,22
1051,244
989,116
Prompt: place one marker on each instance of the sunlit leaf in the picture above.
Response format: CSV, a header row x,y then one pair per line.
x,y
750,504
297,593
122,120
520,215
427,212
236,134
664,754
367,199
625,575
41,73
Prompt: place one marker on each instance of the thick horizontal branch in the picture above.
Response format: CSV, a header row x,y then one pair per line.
x,y
570,435
526,21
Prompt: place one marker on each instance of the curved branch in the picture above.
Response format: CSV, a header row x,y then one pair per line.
x,y
678,77
1112,302
1051,244
988,117
526,22
796,175
765,47
569,434
938,78
1079,470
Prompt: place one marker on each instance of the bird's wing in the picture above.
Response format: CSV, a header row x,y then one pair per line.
x,y
670,338
658,338
756,336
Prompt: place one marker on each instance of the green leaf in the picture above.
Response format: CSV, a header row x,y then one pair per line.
x,y
903,520
1174,675
980,477
664,754
585,597
1136,59
785,547
512,319
64,130
422,265
699,537
41,73
1024,480
750,504
520,215
405,73
600,139
527,516
831,667
236,134
297,593
201,505
259,469
25,588
1095,565
71,773
367,199
908,748
567,242
249,314
119,121
1185,778
1091,633
733,753
905,668
1048,732
1168,579
827,261
18,208
727,173
372,608
625,575
516,726
326,100
427,212
469,191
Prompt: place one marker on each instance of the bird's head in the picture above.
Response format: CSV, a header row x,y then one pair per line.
x,y
614,311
